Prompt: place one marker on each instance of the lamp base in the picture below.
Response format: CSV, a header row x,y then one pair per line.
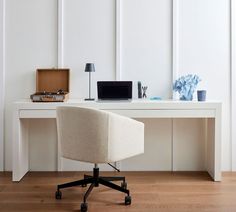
x,y
89,99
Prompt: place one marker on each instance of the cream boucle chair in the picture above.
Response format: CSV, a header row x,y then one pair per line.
x,y
96,136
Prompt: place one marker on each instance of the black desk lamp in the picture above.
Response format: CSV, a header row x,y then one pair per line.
x,y
89,68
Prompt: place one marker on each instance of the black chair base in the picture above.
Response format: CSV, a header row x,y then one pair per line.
x,y
94,181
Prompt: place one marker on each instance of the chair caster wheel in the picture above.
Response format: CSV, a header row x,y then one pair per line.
x,y
128,200
124,185
58,194
84,207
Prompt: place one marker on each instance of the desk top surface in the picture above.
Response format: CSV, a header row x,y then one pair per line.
x,y
134,104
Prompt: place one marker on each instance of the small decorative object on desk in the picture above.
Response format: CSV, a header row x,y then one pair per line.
x,y
144,88
201,95
186,86
139,90
89,67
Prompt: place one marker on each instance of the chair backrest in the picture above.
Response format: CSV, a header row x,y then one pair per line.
x,y
96,136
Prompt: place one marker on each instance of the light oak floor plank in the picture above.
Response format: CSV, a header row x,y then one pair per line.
x,y
150,191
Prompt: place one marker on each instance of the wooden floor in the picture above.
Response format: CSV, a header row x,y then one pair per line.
x,y
150,191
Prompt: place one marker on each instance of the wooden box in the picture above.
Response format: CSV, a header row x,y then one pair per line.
x,y
52,85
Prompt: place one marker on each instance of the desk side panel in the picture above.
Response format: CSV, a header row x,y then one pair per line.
x,y
20,147
210,147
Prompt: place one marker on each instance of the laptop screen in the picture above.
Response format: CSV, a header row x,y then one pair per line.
x,y
114,90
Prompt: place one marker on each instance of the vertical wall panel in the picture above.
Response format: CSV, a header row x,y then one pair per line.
x,y
31,42
89,36
189,145
157,148
43,145
146,43
204,49
145,55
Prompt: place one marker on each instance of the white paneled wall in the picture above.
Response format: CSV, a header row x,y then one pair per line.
x,y
204,49
189,142
31,42
157,148
89,36
146,44
141,48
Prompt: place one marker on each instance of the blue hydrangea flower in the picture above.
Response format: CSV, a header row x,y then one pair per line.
x,y
186,86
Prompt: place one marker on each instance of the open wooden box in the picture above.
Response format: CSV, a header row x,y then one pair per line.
x,y
52,85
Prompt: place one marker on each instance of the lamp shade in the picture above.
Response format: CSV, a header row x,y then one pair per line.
x,y
89,67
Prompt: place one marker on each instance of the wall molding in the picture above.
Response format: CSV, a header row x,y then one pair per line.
x,y
2,80
118,59
118,39
60,35
60,60
175,70
233,85
175,42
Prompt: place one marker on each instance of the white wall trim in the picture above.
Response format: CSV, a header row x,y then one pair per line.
x,y
118,51
175,40
60,60
60,35
233,84
2,80
118,39
175,69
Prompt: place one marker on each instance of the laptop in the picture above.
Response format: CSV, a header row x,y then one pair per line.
x,y
114,90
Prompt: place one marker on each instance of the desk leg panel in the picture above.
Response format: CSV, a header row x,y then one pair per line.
x,y
213,156
20,148
210,146
218,143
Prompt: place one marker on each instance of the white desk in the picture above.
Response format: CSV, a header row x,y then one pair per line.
x,y
25,110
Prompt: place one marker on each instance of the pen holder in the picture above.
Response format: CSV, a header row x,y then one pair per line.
x,y
201,95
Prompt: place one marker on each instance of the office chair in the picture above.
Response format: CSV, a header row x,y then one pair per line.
x,y
96,136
